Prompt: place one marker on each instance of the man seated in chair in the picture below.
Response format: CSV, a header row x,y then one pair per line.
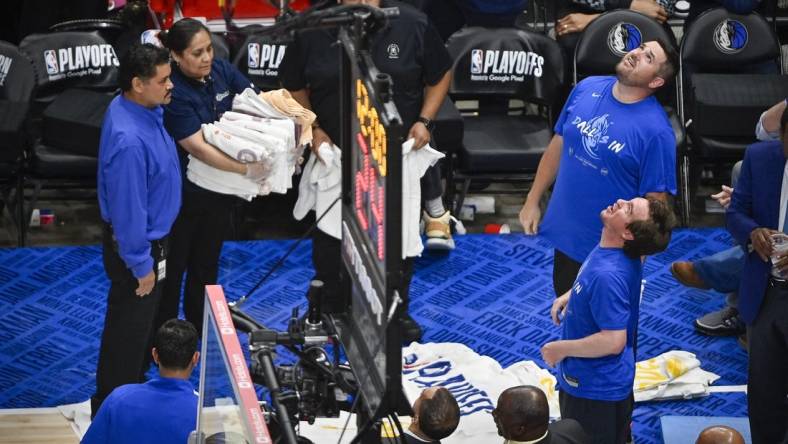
x,y
612,141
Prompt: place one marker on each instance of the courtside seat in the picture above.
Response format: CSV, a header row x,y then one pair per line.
x,y
490,141
16,90
515,76
54,163
729,75
727,108
76,77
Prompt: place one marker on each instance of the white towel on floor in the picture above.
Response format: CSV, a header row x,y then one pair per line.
x,y
475,380
671,375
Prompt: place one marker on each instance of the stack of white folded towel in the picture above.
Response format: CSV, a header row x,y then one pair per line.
x,y
254,131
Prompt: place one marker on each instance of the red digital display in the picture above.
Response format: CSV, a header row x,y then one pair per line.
x,y
369,172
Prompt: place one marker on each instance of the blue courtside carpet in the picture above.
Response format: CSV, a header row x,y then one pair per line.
x,y
492,293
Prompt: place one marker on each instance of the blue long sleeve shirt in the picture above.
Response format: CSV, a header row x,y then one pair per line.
x,y
139,180
161,411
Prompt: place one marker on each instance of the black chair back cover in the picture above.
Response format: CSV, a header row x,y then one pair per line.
x,y
259,58
505,62
610,36
719,41
17,79
64,60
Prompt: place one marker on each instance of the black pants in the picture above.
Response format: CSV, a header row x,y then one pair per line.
x,y
431,186
195,243
565,271
124,355
605,422
767,379
327,260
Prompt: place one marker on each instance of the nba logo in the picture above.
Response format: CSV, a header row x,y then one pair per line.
x,y
476,61
51,62
254,55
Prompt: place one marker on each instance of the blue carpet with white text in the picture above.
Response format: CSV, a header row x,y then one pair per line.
x,y
493,293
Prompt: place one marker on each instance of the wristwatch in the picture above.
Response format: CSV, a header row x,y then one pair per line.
x,y
427,122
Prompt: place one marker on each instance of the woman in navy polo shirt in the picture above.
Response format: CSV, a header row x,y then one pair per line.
x,y
204,89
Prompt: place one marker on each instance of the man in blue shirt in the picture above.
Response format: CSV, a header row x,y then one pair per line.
x,y
612,141
139,194
162,410
595,358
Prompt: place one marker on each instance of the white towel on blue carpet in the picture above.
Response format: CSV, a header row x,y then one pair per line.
x,y
672,375
476,382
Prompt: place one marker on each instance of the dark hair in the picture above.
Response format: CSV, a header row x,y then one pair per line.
x,y
525,407
439,415
783,121
653,234
180,35
140,61
669,67
176,342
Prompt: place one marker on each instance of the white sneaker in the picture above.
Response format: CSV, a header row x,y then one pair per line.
x,y
438,232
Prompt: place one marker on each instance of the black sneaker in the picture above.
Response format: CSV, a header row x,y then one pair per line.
x,y
411,330
725,322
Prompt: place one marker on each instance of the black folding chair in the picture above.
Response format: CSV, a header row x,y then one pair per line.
x,y
730,74
76,78
503,142
16,89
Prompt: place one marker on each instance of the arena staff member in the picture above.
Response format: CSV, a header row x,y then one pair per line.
x,y
162,410
436,415
756,218
612,141
411,51
204,90
595,358
139,193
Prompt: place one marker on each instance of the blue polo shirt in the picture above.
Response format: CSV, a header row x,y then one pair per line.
x,y
605,296
162,411
196,102
612,150
139,180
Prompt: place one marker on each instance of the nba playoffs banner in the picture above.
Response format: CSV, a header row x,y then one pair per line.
x,y
504,61
64,60
259,59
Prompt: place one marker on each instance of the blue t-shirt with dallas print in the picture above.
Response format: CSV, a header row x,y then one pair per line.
x,y
611,151
605,296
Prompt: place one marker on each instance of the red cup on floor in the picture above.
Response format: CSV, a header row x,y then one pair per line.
x,y
497,229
